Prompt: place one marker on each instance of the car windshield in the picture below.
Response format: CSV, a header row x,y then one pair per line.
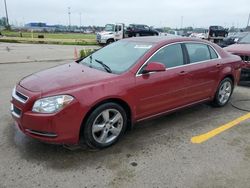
x,y
245,40
118,56
109,27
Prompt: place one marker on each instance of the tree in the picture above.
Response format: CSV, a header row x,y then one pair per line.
x,y
3,21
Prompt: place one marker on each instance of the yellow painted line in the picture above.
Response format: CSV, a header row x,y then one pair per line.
x,y
204,137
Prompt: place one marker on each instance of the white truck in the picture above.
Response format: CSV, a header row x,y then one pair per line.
x,y
111,33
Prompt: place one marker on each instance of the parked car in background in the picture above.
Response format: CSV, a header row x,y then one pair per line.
x,y
242,49
199,35
233,38
174,32
161,32
95,99
136,30
217,31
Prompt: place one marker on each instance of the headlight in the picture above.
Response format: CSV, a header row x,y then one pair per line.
x,y
52,104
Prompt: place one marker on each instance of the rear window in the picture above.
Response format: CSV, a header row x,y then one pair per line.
x,y
198,52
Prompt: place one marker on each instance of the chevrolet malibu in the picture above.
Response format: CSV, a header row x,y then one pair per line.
x,y
96,99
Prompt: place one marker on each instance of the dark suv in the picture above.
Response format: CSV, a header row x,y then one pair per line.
x,y
136,30
217,31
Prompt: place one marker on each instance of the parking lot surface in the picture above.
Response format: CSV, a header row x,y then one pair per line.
x,y
22,53
157,153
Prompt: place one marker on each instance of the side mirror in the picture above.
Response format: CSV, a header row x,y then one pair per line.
x,y
154,67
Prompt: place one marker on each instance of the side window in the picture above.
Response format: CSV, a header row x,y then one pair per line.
x,y
171,56
197,52
119,27
213,53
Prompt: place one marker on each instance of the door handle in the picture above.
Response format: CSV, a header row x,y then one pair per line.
x,y
183,73
218,65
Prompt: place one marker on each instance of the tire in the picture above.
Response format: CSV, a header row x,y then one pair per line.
x,y
109,41
100,131
223,93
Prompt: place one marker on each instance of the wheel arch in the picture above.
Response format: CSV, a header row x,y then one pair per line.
x,y
231,77
119,101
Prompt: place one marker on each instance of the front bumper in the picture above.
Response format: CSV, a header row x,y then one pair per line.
x,y
62,127
102,41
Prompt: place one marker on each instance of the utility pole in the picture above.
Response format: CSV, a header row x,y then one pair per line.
x,y
6,11
248,20
69,13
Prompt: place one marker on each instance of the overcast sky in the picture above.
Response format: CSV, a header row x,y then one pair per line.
x,y
196,13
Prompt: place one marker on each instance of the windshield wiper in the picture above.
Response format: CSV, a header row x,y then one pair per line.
x,y
106,67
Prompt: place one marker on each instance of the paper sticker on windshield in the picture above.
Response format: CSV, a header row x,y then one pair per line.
x,y
143,46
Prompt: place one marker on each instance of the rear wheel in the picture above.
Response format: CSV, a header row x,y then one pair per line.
x,y
105,125
223,92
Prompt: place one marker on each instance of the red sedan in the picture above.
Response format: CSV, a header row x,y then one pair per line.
x,y
97,98
242,49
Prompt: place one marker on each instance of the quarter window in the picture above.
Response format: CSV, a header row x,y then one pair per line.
x,y
171,56
213,53
198,52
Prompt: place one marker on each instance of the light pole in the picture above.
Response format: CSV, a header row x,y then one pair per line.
x,y
69,17
182,22
6,11
248,20
80,19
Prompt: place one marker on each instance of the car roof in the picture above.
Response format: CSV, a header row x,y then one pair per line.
x,y
163,39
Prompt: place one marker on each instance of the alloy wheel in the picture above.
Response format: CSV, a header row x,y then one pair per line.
x,y
107,126
225,92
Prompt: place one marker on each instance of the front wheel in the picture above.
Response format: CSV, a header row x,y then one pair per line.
x,y
105,125
109,41
223,92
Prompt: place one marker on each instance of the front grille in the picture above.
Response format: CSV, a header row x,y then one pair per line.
x,y
19,96
16,111
98,37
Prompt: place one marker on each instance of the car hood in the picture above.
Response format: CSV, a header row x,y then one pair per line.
x,y
239,49
63,78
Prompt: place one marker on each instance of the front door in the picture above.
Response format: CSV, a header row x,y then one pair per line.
x,y
162,91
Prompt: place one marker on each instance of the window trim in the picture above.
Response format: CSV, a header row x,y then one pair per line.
x,y
138,74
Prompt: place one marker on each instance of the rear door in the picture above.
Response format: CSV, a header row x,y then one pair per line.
x,y
204,66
